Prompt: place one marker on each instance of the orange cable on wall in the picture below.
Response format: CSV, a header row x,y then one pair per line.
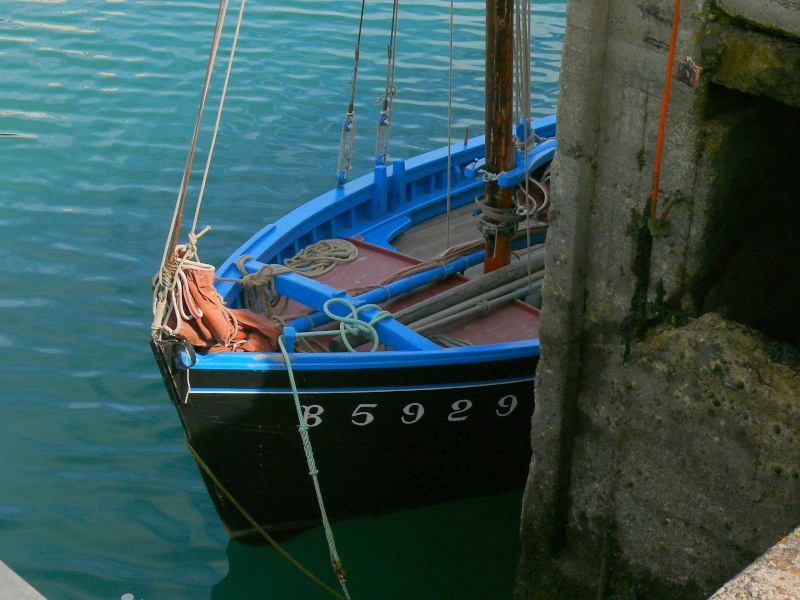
x,y
664,108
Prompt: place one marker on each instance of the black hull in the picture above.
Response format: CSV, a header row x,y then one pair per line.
x,y
383,439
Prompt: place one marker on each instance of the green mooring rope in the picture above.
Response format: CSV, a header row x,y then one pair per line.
x,y
313,471
255,524
347,325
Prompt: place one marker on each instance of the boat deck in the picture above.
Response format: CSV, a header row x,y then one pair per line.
x,y
430,238
375,264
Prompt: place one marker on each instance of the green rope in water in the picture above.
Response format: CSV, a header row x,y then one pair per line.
x,y
350,324
255,524
313,471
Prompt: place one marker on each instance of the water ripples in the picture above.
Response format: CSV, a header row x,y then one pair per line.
x,y
98,496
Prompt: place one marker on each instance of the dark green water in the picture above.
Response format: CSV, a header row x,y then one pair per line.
x,y
99,497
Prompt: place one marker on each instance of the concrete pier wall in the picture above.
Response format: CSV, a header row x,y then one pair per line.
x,y
774,576
13,587
665,439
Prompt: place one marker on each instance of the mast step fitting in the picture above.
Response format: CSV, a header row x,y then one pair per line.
x,y
540,154
491,220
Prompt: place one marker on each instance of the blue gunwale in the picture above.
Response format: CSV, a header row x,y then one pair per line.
x,y
364,390
378,206
270,361
353,209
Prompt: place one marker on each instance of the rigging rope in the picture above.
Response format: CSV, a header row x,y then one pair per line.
x,y
385,118
522,46
219,115
450,125
177,216
349,124
168,277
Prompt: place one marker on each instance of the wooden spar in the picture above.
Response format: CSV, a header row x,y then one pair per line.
x,y
500,156
523,286
472,288
459,294
478,307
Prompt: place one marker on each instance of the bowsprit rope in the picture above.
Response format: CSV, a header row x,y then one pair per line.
x,y
349,124
385,118
219,115
255,524
172,238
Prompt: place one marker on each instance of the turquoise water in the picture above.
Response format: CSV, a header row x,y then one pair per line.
x,y
99,497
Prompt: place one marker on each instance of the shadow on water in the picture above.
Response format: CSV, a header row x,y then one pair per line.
x,y
467,549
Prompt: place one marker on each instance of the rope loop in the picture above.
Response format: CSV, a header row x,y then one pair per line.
x,y
532,199
487,176
501,216
351,325
386,95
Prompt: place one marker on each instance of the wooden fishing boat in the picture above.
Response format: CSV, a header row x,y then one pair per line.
x,y
398,375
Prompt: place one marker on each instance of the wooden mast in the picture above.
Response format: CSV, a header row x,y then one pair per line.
x,y
500,153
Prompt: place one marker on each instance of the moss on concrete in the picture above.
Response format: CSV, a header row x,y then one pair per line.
x,y
663,475
750,246
693,473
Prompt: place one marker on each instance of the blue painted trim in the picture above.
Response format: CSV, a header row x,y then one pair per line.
x,y
315,294
415,189
537,156
271,361
389,230
350,210
375,389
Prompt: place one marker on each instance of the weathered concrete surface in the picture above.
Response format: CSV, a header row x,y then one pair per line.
x,y
752,62
13,587
774,576
776,15
662,473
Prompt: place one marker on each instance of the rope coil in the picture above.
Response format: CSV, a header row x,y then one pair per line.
x,y
258,289
503,217
171,299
